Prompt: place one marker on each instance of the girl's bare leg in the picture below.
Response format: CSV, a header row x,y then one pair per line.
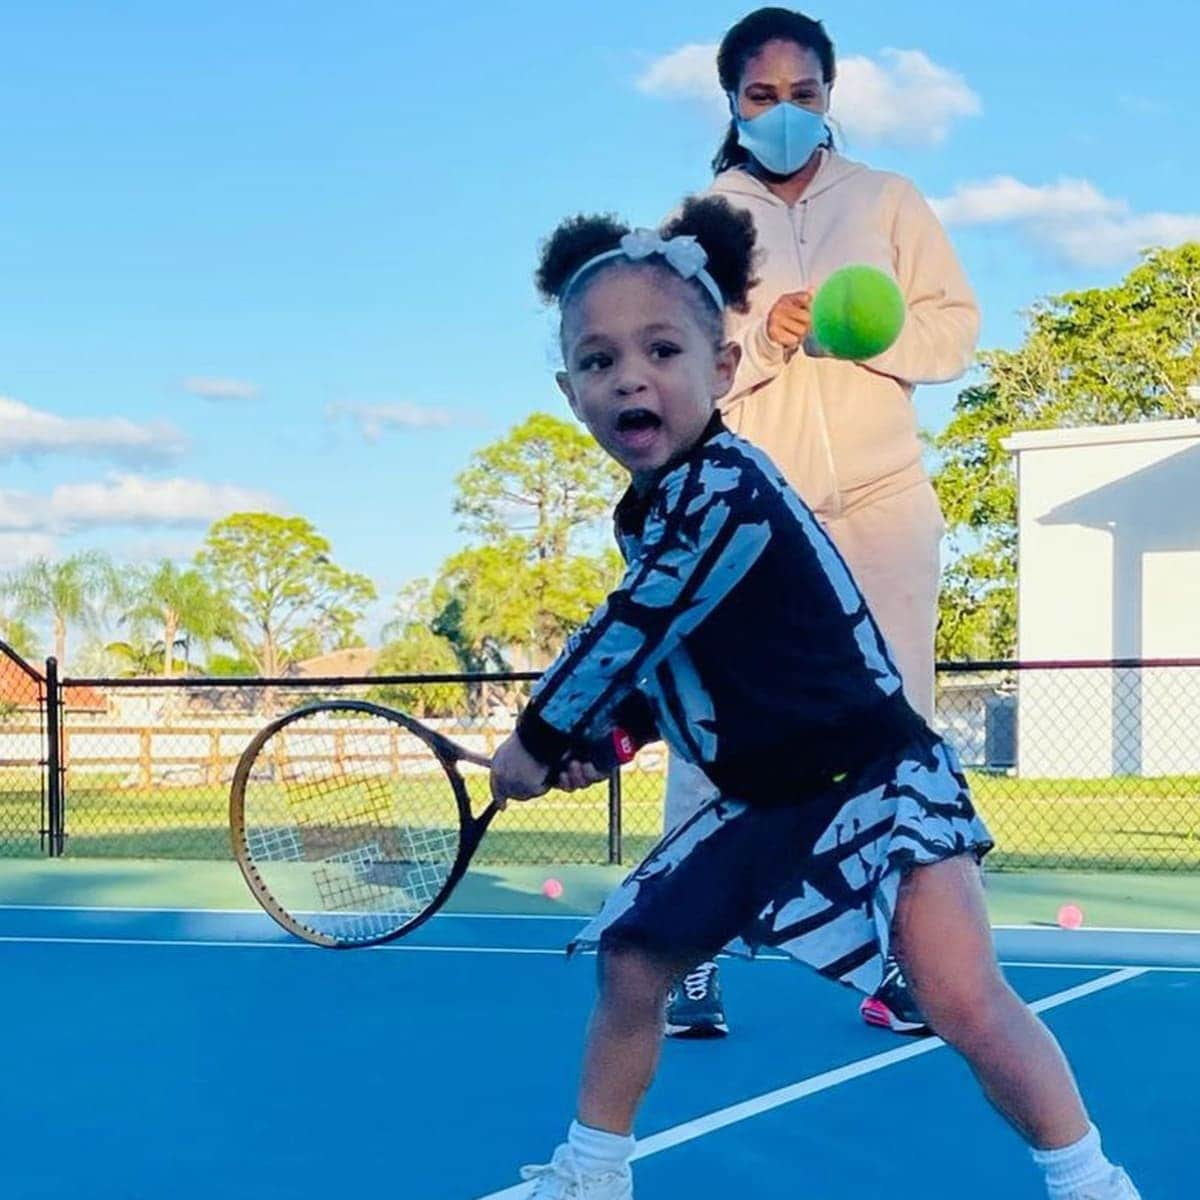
x,y
944,943
624,1037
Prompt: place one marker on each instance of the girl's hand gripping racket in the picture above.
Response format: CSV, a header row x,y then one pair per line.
x,y
352,822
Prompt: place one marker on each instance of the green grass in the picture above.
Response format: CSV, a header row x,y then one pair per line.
x,y
1084,824
1092,823
1114,823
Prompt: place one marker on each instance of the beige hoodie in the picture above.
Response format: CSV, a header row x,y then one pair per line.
x,y
846,433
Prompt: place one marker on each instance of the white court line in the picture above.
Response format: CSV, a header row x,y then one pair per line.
x,y
1141,968
549,952
123,908
117,941
295,944
1040,927
258,912
690,1130
1046,926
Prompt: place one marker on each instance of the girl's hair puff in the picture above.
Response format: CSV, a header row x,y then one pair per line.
x,y
728,237
726,234
574,242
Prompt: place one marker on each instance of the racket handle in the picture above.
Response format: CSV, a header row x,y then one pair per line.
x,y
612,751
606,754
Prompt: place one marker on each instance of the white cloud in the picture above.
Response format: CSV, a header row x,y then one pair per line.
x,y
155,549
136,500
128,500
906,99
1111,242
689,72
28,432
19,548
1072,218
374,419
18,510
902,97
220,389
1004,198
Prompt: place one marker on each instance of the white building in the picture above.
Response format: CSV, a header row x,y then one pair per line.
x,y
1109,568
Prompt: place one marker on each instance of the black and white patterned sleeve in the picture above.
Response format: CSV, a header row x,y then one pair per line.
x,y
701,536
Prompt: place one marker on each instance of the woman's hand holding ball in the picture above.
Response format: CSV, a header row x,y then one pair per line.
x,y
790,319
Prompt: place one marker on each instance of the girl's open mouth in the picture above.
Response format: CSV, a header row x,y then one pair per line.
x,y
637,427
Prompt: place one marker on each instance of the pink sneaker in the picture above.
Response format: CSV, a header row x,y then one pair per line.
x,y
892,1006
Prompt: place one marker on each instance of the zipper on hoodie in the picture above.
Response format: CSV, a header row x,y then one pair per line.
x,y
835,497
798,237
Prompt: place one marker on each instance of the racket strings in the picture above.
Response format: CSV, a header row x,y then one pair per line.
x,y
356,829
275,844
431,854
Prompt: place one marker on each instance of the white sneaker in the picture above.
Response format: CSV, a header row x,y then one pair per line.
x,y
561,1179
1118,1186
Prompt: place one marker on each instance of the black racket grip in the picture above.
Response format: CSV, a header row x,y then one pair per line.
x,y
614,750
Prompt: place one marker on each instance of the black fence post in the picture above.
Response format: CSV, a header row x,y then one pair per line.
x,y
614,816
54,780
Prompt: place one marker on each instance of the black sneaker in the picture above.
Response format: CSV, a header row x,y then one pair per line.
x,y
694,1008
892,1006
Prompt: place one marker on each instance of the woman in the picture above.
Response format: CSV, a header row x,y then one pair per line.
x,y
843,433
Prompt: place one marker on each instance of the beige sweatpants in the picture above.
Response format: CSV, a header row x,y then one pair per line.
x,y
892,547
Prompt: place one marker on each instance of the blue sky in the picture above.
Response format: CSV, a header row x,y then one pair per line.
x,y
279,255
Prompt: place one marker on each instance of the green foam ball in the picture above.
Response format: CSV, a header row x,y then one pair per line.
x,y
858,312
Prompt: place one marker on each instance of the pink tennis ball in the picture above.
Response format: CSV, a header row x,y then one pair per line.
x,y
552,889
1070,916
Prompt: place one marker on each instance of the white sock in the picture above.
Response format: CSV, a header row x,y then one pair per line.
x,y
598,1152
1075,1166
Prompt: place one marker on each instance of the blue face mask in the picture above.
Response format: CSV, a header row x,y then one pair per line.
x,y
783,138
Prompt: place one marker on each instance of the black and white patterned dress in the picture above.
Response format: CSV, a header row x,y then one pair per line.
x,y
739,636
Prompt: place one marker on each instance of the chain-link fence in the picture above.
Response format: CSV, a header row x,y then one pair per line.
x,y
1079,765
23,799
1092,765
147,772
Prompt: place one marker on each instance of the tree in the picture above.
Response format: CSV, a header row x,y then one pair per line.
x,y
419,651
230,665
78,590
413,606
19,636
182,605
534,501
547,481
289,598
501,598
1102,356
133,659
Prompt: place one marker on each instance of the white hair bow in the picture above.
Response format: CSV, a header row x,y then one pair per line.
x,y
683,254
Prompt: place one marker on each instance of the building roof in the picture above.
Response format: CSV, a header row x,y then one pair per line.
x,y
358,660
24,690
1096,435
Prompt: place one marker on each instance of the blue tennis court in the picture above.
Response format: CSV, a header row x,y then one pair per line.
x,y
202,1054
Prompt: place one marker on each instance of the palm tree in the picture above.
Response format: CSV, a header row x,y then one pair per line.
x,y
19,636
181,605
77,589
134,659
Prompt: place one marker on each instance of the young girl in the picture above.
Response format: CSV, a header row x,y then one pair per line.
x,y
843,828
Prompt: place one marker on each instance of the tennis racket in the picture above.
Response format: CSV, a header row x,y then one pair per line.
x,y
352,823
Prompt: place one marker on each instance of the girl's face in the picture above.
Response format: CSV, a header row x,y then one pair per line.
x,y
782,72
641,372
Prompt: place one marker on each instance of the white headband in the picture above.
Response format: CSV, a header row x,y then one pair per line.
x,y
684,254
